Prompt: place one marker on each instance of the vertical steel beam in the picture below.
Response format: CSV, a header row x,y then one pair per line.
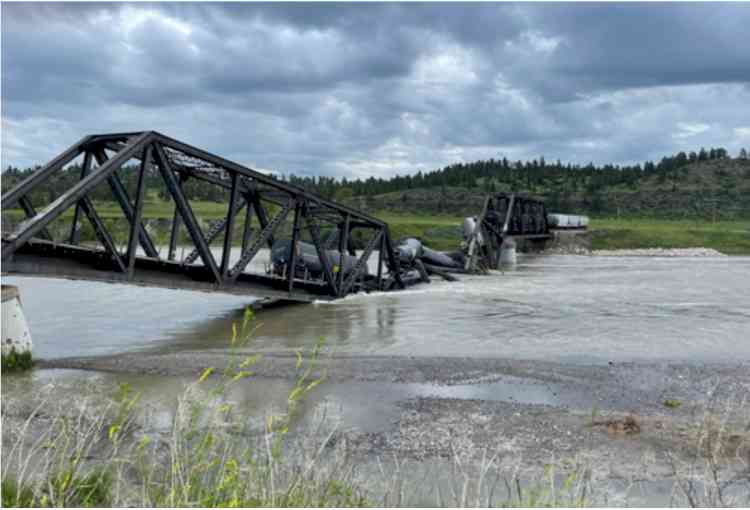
x,y
191,223
247,227
392,260
28,209
262,216
343,242
75,231
509,214
133,237
293,246
226,252
381,254
175,224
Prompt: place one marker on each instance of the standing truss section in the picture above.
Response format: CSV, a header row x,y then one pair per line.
x,y
504,215
261,211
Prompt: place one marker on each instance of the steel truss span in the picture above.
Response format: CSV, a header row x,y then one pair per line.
x,y
505,215
271,209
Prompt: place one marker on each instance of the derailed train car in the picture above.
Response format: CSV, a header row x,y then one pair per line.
x,y
504,216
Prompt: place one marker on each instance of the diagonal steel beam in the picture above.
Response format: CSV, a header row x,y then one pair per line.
x,y
22,188
28,209
101,233
214,232
263,236
121,197
260,211
357,269
136,223
27,229
191,223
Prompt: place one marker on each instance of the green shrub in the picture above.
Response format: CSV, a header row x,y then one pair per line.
x,y
672,403
17,361
62,489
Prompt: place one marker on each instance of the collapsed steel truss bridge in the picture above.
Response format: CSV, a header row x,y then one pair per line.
x,y
505,215
277,207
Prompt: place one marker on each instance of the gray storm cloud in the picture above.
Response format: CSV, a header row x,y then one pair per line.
x,y
377,89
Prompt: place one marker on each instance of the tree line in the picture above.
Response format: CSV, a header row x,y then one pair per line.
x,y
490,175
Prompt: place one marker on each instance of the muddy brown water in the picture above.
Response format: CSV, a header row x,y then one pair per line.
x,y
556,310
561,308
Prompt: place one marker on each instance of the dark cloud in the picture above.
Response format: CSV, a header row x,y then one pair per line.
x,y
361,89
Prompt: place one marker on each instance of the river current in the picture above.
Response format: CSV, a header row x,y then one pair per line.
x,y
581,309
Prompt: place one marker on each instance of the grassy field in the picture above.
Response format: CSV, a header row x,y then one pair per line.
x,y
730,237
439,232
442,232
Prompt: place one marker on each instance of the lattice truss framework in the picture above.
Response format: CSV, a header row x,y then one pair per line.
x,y
272,208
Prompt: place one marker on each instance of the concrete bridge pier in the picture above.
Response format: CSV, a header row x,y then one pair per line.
x,y
508,252
16,337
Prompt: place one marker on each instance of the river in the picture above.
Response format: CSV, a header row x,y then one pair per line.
x,y
517,358
562,308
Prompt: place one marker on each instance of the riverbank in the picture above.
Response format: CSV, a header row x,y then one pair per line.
x,y
632,433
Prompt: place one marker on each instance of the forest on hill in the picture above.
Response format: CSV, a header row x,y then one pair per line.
x,y
706,182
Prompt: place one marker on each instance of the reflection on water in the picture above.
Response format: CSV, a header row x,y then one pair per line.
x,y
552,307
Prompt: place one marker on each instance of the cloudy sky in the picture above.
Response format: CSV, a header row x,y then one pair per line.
x,y
377,89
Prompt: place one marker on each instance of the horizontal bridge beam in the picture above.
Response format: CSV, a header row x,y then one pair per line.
x,y
265,179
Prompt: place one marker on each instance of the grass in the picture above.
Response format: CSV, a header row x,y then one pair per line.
x,y
438,232
729,237
442,232
211,457
14,361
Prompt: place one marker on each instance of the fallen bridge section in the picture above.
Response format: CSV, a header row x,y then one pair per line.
x,y
504,216
272,210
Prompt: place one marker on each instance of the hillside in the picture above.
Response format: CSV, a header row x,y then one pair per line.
x,y
715,189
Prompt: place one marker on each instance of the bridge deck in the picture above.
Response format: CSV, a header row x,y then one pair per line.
x,y
60,260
